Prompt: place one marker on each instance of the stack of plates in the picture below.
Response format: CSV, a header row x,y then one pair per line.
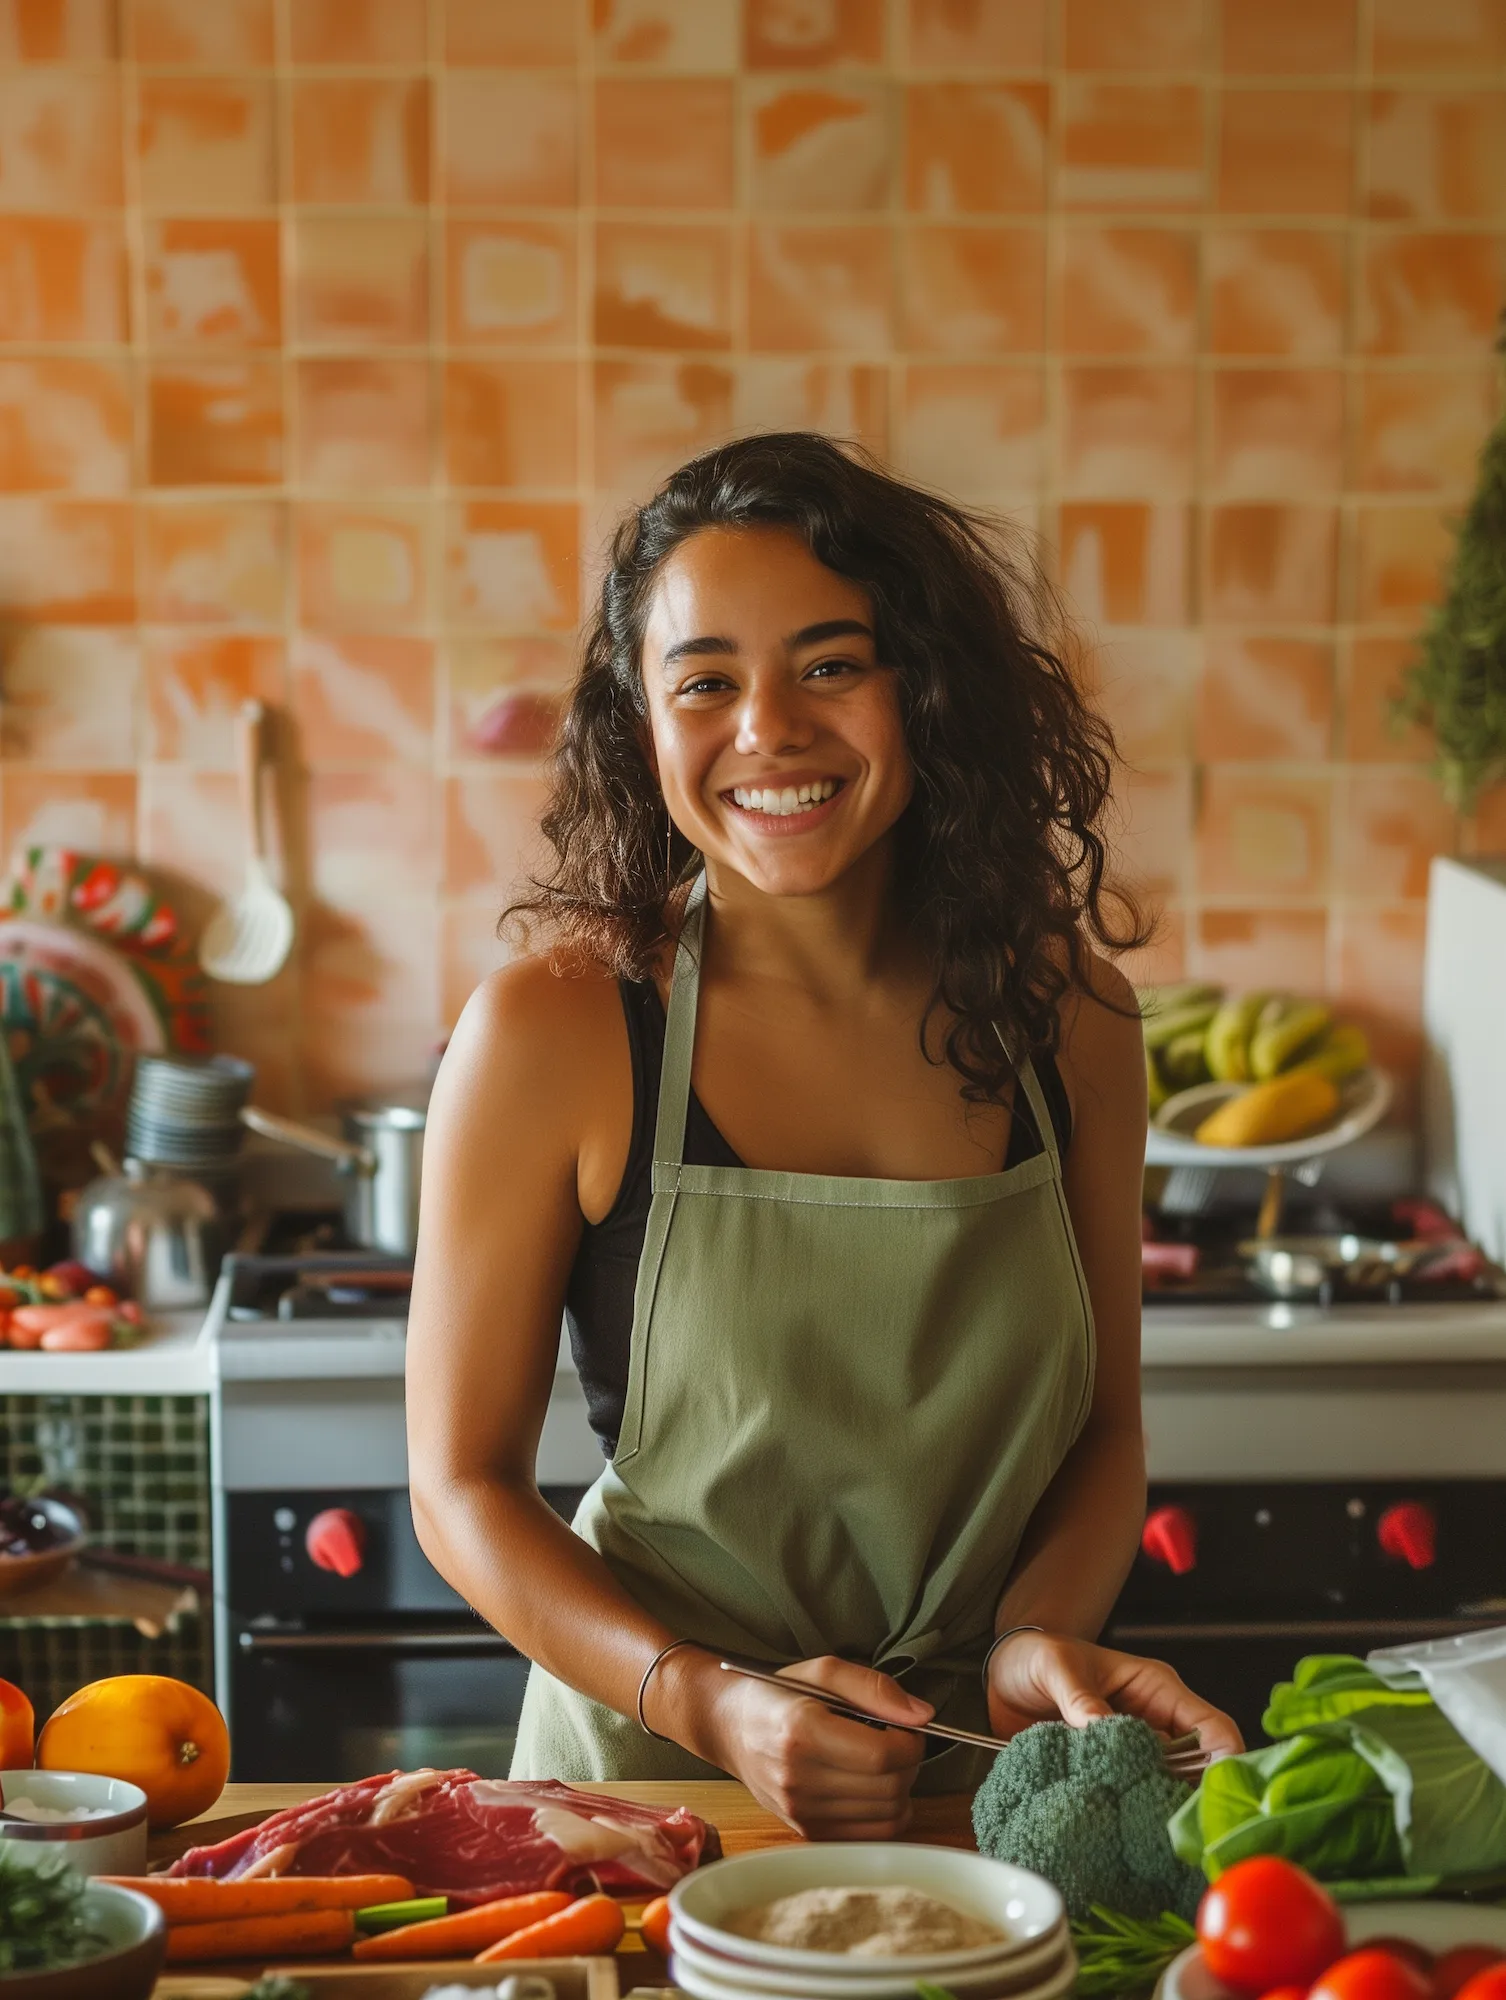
x,y
1033,1959
185,1114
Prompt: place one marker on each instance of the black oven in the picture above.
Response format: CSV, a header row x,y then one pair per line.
x,y
347,1652
1235,1583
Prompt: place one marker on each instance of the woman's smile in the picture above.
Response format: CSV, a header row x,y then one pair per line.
x,y
796,804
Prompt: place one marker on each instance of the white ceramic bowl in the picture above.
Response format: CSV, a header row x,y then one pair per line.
x,y
1024,1907
1436,1926
1019,1973
978,1987
133,1933
112,1846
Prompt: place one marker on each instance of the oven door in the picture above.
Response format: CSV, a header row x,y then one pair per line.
x,y
333,1706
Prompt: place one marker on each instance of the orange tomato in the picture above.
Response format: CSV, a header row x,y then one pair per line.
x,y
17,1724
100,1295
654,1925
151,1731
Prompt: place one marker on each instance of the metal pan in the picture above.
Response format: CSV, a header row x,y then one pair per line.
x,y
1299,1267
379,1159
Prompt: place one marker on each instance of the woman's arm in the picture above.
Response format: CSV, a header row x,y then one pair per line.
x,y
519,1143
506,1143
1081,1540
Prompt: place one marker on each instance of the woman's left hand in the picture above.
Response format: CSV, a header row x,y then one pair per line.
x,y
1043,1677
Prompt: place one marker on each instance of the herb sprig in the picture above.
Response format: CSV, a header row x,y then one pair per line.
x,y
1119,1954
43,1921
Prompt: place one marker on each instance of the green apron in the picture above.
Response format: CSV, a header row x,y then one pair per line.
x,y
845,1399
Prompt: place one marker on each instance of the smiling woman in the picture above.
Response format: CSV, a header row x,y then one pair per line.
x,y
780,1113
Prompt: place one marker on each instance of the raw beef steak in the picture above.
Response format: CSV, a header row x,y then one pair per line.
x,y
471,1839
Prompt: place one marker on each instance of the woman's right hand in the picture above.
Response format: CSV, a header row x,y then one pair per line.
x,y
828,1777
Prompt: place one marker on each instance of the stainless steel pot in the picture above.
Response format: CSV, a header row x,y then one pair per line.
x,y
379,1158
154,1235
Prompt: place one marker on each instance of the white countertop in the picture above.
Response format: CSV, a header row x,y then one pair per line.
x,y
172,1356
177,1354
1305,1336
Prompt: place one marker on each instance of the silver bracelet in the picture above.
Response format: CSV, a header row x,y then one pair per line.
x,y
1013,1629
662,1654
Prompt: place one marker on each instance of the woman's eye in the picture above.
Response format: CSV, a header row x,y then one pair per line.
x,y
829,669
705,684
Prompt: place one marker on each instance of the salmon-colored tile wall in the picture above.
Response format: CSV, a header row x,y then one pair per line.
x,y
334,333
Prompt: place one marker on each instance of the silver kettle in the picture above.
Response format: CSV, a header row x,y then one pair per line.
x,y
153,1235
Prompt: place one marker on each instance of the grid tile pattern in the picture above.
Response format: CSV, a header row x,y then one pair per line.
x,y
142,1464
334,334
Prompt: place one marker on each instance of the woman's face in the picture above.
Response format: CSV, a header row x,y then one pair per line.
x,y
774,730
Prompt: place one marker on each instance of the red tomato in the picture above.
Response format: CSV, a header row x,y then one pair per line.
x,y
1372,1975
1267,1923
1453,1969
1285,1993
1406,1948
1489,1984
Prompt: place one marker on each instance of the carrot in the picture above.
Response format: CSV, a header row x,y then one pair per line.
x,y
300,1932
592,1925
467,1931
653,1925
189,1899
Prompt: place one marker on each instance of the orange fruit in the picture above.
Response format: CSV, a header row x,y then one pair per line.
x,y
16,1726
151,1731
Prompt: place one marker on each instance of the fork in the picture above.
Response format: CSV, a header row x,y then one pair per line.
x,y
1184,1755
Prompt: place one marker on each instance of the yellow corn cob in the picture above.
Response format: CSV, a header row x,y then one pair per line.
x,y
1229,1035
1343,1051
1268,1113
1285,1030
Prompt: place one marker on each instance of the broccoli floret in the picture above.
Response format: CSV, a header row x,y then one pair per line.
x,y
1087,1808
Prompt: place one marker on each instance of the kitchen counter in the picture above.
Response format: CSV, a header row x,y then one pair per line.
x,y
172,1356
743,1825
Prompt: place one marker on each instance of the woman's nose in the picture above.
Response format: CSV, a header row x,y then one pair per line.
x,y
771,722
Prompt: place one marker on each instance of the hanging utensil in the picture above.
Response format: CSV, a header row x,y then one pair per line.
x,y
246,943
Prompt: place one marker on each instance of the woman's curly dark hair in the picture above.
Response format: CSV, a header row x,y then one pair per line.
x,y
1000,856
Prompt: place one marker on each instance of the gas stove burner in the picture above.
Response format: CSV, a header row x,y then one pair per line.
x,y
1409,1254
322,1285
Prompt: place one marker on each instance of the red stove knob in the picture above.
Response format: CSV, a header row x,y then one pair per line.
x,y
1408,1532
1170,1537
336,1539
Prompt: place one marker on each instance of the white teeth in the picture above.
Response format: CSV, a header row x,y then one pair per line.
x,y
780,804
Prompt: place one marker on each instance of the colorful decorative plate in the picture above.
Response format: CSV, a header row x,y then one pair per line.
x,y
120,907
75,1017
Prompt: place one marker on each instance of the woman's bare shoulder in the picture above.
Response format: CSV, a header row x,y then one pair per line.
x,y
1100,1047
534,1029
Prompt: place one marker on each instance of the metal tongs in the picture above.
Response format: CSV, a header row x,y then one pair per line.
x,y
1185,1757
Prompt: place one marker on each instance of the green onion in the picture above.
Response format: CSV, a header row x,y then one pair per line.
x,y
392,1916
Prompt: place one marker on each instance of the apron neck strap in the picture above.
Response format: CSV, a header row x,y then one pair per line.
x,y
679,1032
679,1047
1035,1097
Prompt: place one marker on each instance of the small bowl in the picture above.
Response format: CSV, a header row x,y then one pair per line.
x,y
1020,1973
113,1846
19,1573
135,1951
1024,1907
1055,1985
1436,1925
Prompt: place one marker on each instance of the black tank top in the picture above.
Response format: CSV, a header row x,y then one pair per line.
x,y
599,1301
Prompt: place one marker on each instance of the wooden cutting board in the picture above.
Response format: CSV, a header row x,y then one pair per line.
x,y
572,1978
744,1826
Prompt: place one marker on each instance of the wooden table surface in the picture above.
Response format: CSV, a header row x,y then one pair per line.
x,y
743,1826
